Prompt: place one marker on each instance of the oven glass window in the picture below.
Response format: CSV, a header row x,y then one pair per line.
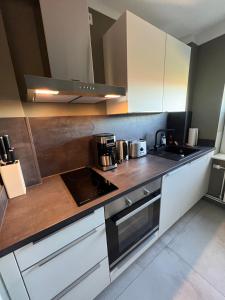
x,y
134,228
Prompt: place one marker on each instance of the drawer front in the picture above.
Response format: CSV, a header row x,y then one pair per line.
x,y
35,252
89,285
52,275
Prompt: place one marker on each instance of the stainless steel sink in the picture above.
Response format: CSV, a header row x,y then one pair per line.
x,y
175,152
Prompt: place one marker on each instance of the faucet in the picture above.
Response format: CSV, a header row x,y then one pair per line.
x,y
156,146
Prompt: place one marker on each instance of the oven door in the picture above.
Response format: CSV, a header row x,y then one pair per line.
x,y
128,228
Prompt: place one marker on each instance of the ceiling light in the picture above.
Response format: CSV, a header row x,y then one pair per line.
x,y
46,92
110,96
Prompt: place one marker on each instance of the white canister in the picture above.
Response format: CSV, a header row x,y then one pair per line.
x,y
193,137
13,180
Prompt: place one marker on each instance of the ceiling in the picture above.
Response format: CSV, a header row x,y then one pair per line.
x,y
189,20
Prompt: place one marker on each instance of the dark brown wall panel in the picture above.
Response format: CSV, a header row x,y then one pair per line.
x,y
64,143
17,129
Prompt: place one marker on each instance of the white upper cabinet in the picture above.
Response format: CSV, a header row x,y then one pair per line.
x,y
177,63
145,62
151,64
67,34
134,54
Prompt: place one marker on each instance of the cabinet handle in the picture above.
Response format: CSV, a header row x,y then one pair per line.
x,y
137,210
5,287
61,250
76,282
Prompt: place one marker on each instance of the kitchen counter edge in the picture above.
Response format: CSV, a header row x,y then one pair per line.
x,y
50,230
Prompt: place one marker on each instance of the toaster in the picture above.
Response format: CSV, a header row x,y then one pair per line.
x,y
137,148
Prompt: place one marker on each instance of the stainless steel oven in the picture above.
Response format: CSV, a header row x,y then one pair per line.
x,y
131,219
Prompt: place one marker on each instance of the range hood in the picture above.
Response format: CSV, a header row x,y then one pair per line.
x,y
68,41
44,89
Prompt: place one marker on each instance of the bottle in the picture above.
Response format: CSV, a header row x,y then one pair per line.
x,y
170,141
163,139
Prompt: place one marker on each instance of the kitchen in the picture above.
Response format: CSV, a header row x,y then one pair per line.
x,y
111,140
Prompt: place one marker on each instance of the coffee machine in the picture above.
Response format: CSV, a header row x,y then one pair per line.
x,y
105,148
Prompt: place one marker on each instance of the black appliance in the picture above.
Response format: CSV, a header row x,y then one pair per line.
x,y
132,219
85,185
105,151
181,122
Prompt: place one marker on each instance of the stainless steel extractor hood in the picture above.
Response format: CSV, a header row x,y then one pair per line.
x,y
70,57
44,89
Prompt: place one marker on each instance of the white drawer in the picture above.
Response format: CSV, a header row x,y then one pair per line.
x,y
35,252
52,275
89,285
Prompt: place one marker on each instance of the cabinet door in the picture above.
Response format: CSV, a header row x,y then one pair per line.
x,y
199,179
11,283
145,65
174,197
4,294
67,33
182,188
176,75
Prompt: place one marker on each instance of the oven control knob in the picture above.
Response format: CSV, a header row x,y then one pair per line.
x,y
128,202
146,192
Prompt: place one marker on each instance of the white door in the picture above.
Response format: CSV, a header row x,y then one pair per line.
x,y
182,188
145,65
198,179
176,75
4,295
174,196
11,283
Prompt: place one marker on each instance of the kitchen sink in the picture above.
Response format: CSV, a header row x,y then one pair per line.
x,y
175,152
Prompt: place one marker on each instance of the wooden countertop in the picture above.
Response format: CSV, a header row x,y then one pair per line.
x,y
50,206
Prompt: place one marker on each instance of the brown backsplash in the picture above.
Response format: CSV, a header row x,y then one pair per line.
x,y
63,143
18,131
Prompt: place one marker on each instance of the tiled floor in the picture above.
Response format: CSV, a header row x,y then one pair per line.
x,y
188,262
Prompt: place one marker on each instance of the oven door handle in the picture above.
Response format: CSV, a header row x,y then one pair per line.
x,y
137,210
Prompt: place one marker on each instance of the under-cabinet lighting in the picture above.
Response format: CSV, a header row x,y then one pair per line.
x,y
46,92
110,96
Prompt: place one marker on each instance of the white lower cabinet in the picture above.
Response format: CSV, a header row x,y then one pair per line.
x,y
56,273
182,188
11,283
73,262
69,264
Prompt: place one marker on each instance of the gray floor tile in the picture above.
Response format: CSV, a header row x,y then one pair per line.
x,y
186,219
149,255
121,283
169,277
170,235
202,245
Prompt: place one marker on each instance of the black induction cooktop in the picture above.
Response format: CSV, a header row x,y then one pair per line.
x,y
86,185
